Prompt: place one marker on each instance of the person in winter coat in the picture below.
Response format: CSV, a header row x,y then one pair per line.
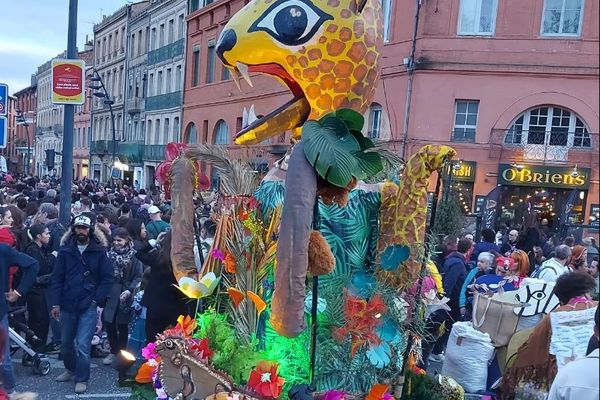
x,y
137,231
128,272
163,301
37,307
81,282
488,243
485,264
29,268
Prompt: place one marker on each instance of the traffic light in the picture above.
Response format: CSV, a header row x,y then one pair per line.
x,y
50,158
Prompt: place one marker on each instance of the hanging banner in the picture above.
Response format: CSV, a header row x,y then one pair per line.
x,y
490,206
565,216
68,81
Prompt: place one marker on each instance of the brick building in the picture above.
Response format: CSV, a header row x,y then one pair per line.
x,y
25,133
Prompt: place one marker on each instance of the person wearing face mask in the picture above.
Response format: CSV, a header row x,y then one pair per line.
x,y
37,307
128,272
82,278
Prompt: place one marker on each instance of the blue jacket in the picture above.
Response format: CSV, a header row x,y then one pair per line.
x,y
484,246
29,268
454,272
78,279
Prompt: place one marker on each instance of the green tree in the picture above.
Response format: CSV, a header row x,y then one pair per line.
x,y
448,218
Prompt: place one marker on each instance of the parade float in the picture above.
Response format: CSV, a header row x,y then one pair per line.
x,y
317,283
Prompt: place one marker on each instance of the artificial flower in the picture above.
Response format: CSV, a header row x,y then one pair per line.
x,y
218,254
379,392
236,296
265,381
187,324
362,318
198,289
258,302
149,351
230,266
146,371
334,395
199,348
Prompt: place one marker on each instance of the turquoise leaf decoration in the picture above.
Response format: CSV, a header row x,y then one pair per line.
x,y
393,256
379,355
362,285
388,332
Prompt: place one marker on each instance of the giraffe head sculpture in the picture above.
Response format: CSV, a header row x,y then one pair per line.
x,y
325,51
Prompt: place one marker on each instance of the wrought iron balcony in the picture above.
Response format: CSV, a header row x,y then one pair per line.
x,y
135,105
163,101
154,152
167,52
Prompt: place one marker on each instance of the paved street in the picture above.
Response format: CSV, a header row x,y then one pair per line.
x,y
102,385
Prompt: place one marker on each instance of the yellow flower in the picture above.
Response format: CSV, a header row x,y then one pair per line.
x,y
198,289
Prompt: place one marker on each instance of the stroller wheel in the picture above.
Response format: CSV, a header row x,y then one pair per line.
x,y
26,360
44,367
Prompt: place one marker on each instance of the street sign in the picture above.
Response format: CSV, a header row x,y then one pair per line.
x,y
3,100
3,132
68,81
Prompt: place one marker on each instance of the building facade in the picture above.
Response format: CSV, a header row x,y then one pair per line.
x,y
165,74
82,127
25,133
512,85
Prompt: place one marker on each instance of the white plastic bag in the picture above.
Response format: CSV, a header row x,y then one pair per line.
x,y
467,357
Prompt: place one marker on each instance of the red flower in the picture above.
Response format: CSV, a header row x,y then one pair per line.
x,y
199,347
265,381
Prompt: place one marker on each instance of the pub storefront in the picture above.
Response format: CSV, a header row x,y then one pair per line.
x,y
554,193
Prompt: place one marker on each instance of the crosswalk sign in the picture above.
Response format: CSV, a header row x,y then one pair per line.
x,y
3,132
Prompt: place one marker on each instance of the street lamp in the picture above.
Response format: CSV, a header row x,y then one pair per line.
x,y
22,121
101,92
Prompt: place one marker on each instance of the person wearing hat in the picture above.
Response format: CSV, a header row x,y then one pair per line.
x,y
81,282
156,225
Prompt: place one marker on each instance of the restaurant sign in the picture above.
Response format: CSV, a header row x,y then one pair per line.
x,y
544,176
466,172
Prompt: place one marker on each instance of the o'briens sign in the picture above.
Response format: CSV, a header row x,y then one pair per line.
x,y
544,176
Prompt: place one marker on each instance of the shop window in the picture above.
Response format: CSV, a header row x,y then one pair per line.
x,y
477,17
375,114
551,126
465,120
562,18
221,133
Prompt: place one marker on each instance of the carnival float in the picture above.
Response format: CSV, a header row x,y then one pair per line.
x,y
318,283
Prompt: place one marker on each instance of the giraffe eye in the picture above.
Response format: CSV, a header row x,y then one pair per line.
x,y
291,22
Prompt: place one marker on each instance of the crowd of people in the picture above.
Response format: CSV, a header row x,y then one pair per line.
x,y
106,273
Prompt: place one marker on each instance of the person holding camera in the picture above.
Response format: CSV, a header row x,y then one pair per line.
x,y
82,279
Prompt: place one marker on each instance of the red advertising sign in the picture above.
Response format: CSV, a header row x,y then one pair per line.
x,y
68,81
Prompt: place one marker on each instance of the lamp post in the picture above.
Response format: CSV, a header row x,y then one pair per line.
x,y
101,92
22,121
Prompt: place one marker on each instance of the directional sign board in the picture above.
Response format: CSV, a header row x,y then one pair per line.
x,y
68,81
3,100
3,132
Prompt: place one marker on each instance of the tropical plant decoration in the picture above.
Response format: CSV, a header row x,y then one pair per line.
x,y
335,146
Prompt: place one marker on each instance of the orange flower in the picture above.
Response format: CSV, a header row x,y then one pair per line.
x,y
236,296
146,370
379,392
258,302
230,266
187,324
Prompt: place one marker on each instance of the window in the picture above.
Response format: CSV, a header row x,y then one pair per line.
x,y
374,121
562,18
210,64
193,5
192,134
180,26
149,132
169,79
139,43
171,31
161,35
132,45
387,17
159,82
166,131
477,17
151,85
221,133
225,74
156,131
178,78
196,65
176,129
153,39
552,126
465,120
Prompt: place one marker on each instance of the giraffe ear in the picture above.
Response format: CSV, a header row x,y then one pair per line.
x,y
357,5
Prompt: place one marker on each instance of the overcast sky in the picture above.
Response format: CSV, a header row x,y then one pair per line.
x,y
34,31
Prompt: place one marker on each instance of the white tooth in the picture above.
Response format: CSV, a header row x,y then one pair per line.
x,y
235,75
243,68
245,118
251,115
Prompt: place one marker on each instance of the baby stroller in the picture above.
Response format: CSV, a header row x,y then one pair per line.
x,y
39,362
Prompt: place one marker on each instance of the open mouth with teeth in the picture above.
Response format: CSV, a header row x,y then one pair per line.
x,y
288,116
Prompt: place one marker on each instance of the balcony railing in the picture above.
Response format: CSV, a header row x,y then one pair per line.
x,y
166,52
163,101
154,152
130,152
135,105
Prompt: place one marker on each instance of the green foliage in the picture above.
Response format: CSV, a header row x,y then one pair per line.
x,y
142,392
448,218
420,387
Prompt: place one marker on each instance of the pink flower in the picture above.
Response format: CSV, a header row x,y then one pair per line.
x,y
149,352
334,395
218,254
